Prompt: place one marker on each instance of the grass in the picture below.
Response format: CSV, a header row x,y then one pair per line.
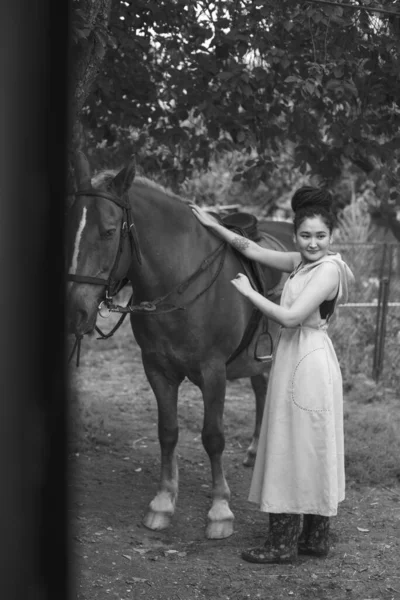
x,y
372,441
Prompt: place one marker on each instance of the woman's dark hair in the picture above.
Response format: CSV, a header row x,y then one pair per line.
x,y
309,201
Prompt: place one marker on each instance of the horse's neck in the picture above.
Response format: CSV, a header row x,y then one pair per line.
x,y
172,241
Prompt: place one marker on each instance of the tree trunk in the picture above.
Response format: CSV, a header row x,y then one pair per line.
x,y
90,20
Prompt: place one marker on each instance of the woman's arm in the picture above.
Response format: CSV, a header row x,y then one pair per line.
x,y
322,286
283,261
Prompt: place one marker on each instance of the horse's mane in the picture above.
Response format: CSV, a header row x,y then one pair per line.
x,y
105,177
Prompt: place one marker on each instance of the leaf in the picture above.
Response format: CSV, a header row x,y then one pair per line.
x,y
225,75
332,84
363,530
100,50
350,87
247,91
310,87
317,17
82,33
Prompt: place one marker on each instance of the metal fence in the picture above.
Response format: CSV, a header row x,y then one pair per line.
x,y
377,269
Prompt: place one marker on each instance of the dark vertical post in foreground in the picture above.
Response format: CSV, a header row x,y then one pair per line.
x,y
383,299
33,410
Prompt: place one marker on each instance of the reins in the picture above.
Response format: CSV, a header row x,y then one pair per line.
x,y
158,306
76,346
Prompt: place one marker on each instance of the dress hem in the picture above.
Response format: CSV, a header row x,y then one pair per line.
x,y
332,512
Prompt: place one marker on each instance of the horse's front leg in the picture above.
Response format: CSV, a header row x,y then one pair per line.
x,y
259,384
162,507
220,517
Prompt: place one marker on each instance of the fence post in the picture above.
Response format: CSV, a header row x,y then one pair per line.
x,y
380,332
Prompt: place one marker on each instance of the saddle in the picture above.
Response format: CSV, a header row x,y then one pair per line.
x,y
246,225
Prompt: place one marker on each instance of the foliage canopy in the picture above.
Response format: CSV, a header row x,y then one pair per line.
x,y
253,75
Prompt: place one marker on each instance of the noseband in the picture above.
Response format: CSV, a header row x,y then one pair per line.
x,y
127,229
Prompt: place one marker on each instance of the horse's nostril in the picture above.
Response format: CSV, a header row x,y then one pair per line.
x,y
81,316
77,320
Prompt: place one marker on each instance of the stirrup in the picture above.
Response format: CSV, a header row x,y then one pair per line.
x,y
266,358
263,357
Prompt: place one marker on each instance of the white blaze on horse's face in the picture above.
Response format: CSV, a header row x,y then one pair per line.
x,y
74,262
75,255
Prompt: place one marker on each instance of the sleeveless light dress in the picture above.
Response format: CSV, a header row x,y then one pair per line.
x,y
299,465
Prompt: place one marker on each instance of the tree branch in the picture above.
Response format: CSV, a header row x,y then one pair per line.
x,y
354,7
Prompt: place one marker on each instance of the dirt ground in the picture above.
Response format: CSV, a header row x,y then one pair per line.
x,y
114,461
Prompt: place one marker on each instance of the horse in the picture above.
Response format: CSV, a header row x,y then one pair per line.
x,y
188,319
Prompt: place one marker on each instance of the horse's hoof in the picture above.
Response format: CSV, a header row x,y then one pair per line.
x,y
157,521
249,460
218,530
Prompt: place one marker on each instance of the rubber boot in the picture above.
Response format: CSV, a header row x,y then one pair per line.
x,y
281,546
314,538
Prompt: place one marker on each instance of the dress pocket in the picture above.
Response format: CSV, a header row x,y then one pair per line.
x,y
311,388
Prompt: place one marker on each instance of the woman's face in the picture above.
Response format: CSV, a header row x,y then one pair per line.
x,y
313,239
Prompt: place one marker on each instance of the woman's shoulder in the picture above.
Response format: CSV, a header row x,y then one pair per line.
x,y
327,264
333,267
326,268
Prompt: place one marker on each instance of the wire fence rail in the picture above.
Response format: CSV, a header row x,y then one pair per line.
x,y
367,305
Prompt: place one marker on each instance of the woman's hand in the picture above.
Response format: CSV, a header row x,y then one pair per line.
x,y
242,284
203,216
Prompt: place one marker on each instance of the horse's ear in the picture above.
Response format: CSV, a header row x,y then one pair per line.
x,y
82,171
123,181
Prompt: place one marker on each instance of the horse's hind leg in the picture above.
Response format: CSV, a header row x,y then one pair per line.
x,y
259,384
162,507
220,517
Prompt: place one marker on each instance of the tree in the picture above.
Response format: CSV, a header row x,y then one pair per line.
x,y
201,76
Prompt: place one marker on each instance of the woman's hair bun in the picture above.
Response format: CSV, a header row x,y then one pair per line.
x,y
309,196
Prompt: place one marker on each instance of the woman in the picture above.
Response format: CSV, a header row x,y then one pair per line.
x,y
299,468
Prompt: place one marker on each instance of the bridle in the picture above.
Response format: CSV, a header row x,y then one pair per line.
x,y
127,230
114,284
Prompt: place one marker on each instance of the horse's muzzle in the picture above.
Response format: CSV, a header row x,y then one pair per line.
x,y
79,323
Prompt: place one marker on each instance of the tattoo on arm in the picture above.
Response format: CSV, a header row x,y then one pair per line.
x,y
240,243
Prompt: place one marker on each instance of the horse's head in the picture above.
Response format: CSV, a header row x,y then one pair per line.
x,y
98,225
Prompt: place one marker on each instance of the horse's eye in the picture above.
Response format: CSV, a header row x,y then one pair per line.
x,y
106,235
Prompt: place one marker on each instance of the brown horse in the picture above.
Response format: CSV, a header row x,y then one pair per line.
x,y
188,319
